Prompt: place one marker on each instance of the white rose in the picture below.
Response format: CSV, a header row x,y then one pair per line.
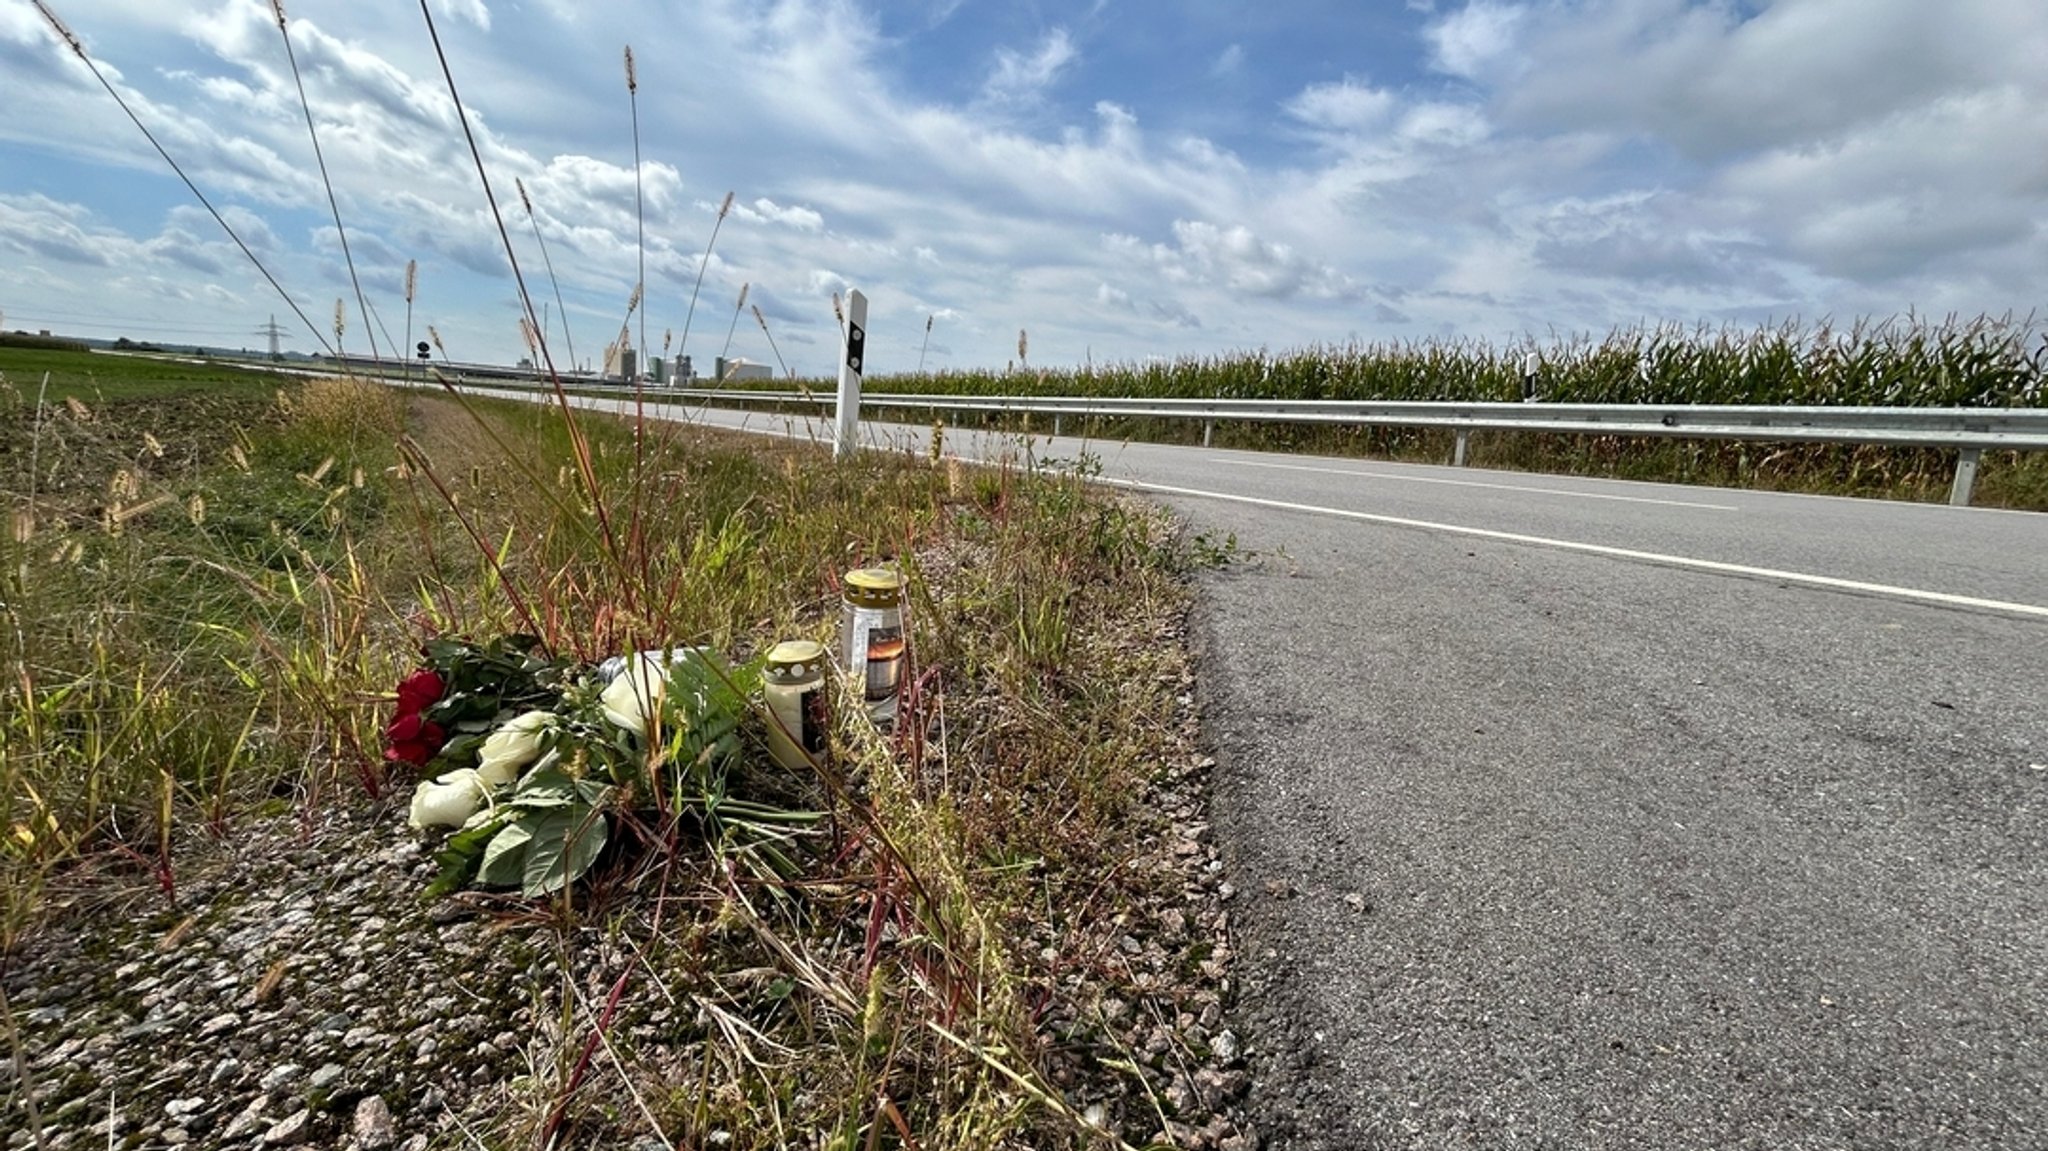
x,y
510,748
635,696
448,801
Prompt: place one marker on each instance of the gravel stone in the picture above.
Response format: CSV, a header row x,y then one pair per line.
x,y
374,1126
218,1024
288,1131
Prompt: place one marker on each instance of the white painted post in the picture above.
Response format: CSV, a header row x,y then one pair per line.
x,y
1530,365
1458,453
1966,477
854,345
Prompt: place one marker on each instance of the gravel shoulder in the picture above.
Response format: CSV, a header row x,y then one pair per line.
x,y
299,993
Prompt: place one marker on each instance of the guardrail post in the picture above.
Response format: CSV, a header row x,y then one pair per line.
x,y
1055,423
1458,453
1966,477
1208,430
855,346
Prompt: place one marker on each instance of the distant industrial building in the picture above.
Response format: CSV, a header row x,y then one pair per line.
x,y
740,369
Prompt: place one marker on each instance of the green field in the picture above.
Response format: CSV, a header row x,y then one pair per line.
x,y
94,376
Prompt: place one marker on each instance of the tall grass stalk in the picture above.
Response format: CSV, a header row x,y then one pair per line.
x,y
703,265
761,319
320,159
725,353
921,348
639,203
532,217
579,443
412,283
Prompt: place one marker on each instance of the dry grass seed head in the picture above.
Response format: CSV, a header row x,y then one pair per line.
x,y
147,506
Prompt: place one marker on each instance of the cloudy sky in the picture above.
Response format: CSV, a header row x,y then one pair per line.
x,y
1121,178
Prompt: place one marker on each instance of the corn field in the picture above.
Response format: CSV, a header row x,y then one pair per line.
x,y
1905,361
1899,362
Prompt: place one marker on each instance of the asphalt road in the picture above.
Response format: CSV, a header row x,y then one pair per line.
x,y
1584,814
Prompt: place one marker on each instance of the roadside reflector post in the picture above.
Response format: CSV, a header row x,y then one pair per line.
x,y
1966,477
1458,453
854,349
1529,365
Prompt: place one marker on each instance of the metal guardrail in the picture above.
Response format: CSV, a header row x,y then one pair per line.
x,y
1968,431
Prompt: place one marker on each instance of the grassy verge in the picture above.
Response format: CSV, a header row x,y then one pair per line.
x,y
210,592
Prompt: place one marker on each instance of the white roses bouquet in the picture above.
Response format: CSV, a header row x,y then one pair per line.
x,y
539,756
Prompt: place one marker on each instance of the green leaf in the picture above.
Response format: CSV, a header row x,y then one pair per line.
x,y
460,857
565,843
504,862
549,788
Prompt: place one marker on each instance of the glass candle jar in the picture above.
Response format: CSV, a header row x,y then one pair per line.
x,y
872,648
793,688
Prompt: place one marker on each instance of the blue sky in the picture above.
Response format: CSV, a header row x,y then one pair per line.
x,y
1123,180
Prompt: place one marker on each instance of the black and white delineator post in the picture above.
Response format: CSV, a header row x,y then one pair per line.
x,y
1530,364
854,345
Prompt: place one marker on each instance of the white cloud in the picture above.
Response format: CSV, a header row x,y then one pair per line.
x,y
1237,259
1445,125
1344,106
473,11
1477,36
1715,80
1020,77
36,225
1229,62
767,211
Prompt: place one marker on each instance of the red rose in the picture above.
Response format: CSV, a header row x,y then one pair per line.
x,y
413,740
419,691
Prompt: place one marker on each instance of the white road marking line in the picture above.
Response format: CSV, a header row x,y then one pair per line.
x,y
1481,484
2035,610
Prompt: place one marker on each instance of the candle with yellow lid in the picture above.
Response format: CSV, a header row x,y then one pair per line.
x,y
871,639
793,687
